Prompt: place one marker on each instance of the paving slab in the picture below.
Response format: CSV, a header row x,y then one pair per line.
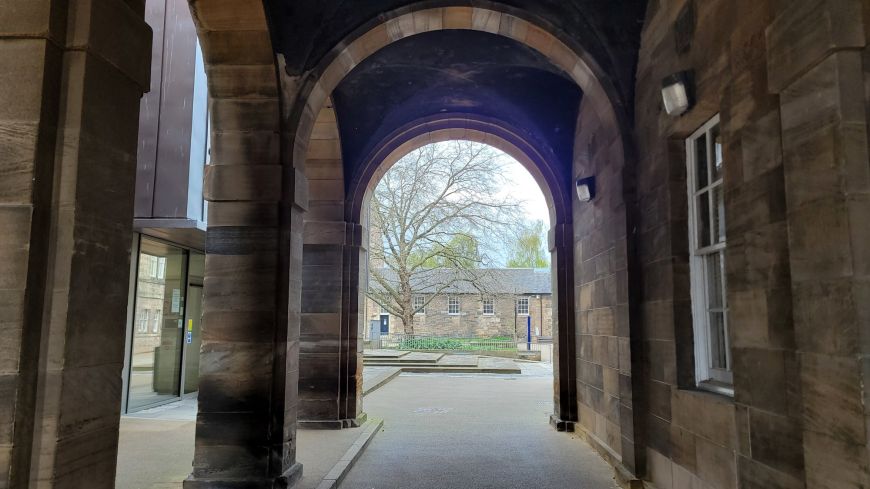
x,y
155,448
384,353
420,362
473,432
376,377
459,361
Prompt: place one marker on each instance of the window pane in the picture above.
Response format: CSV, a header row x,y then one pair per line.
x,y
701,161
717,153
523,306
718,345
714,281
718,215
702,210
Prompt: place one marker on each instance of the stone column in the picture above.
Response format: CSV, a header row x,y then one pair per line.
x,y
564,337
354,283
72,76
246,426
815,64
329,370
320,350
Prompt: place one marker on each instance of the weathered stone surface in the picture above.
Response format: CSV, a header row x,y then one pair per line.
x,y
806,32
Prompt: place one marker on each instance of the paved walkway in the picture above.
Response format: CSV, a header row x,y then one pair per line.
x,y
156,448
469,431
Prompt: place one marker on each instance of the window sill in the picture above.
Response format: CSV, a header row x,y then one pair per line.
x,y
716,387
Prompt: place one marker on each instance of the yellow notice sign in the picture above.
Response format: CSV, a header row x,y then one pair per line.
x,y
190,324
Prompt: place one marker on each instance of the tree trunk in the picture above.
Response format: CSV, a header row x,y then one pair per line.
x,y
408,323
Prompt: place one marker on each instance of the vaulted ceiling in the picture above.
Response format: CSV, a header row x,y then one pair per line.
x,y
463,72
460,71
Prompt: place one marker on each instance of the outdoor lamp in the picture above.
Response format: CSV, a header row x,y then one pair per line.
x,y
586,189
676,93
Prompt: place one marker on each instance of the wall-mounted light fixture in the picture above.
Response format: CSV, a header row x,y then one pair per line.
x,y
677,93
586,188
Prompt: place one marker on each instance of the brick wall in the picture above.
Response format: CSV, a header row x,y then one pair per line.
x,y
471,321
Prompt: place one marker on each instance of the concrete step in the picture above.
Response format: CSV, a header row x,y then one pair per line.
x,y
384,353
462,370
393,363
413,357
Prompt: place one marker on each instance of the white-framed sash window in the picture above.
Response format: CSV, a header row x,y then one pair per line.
x,y
523,306
707,242
488,306
453,305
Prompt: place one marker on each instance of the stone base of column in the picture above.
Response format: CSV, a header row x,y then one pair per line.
x,y
332,424
285,481
561,424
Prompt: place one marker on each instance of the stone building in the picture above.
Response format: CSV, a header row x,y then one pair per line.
x,y
705,163
514,300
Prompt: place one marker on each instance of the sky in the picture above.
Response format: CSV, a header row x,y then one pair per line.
x,y
519,186
523,186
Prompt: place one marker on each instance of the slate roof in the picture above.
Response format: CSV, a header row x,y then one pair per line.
x,y
515,281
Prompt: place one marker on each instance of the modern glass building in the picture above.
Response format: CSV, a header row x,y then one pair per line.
x,y
165,304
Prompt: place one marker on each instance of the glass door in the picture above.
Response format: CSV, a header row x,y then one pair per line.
x,y
155,360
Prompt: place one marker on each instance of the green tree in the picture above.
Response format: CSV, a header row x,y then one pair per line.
x,y
528,249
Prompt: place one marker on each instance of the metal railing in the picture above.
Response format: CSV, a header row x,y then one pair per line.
x,y
432,342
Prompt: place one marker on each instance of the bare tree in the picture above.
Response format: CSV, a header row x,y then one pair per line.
x,y
435,219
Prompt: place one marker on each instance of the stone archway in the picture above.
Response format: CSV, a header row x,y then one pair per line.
x,y
260,188
603,149
499,135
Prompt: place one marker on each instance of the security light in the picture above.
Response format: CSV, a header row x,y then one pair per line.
x,y
677,94
586,189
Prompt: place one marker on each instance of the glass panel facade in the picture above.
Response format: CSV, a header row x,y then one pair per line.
x,y
164,352
155,359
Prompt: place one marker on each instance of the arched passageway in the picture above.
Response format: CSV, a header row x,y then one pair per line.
x,y
326,155
776,96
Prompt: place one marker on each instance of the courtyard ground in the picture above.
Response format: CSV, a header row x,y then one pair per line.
x,y
469,431
443,431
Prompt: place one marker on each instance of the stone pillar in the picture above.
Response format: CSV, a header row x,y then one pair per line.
x,y
329,369
815,64
320,350
354,283
246,424
245,431
564,338
607,398
72,77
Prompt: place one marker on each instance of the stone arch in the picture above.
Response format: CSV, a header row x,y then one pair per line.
x,y
447,127
603,148
575,62
259,187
